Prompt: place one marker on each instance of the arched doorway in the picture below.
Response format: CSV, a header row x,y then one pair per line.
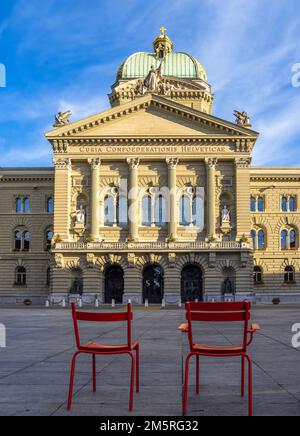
x,y
153,284
191,283
114,284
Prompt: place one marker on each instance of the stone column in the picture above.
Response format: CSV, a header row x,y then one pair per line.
x,y
62,212
211,196
95,201
133,198
173,215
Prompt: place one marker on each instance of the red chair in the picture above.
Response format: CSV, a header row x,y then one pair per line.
x,y
219,312
99,349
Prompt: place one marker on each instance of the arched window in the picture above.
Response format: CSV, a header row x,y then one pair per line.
x,y
198,212
185,211
26,240
50,205
26,205
253,204
122,211
253,236
292,204
109,211
258,274
293,240
289,275
21,276
18,205
161,211
284,204
18,240
261,240
147,210
284,240
22,240
48,276
49,237
260,204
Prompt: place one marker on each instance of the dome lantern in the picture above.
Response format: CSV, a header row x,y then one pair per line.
x,y
163,45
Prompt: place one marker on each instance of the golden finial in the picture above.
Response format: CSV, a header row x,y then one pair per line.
x,y
163,31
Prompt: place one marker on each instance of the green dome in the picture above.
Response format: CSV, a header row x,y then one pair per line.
x,y
175,64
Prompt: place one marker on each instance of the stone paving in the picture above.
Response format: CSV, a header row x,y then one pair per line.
x,y
34,368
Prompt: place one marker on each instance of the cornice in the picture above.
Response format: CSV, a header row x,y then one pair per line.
x,y
10,179
274,178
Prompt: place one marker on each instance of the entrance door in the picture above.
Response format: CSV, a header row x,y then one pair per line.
x,y
114,285
153,284
191,283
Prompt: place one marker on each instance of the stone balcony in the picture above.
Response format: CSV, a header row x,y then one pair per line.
x,y
125,247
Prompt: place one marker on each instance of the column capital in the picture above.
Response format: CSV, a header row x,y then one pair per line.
x,y
211,162
172,163
95,163
62,164
134,163
243,162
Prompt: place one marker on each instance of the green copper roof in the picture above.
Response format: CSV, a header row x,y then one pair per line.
x,y
175,64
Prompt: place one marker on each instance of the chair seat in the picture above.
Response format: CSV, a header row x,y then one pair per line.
x,y
200,348
103,348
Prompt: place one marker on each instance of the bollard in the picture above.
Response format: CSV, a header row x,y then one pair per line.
x,y
163,303
96,303
80,302
64,303
146,302
180,304
47,304
113,303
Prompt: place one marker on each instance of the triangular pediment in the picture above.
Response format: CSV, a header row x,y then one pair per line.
x,y
151,115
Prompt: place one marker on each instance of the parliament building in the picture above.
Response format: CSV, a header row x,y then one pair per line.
x,y
154,199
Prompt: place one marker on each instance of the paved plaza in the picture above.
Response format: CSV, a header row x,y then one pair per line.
x,y
34,368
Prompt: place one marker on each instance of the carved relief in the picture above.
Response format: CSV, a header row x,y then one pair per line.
x,y
133,163
172,163
62,164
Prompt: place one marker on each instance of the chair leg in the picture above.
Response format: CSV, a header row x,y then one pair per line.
x,y
132,382
72,381
94,374
197,374
186,384
243,377
250,387
138,369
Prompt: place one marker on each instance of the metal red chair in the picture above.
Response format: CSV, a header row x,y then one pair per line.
x,y
101,349
219,312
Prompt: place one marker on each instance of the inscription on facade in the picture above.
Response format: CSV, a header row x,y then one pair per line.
x,y
133,149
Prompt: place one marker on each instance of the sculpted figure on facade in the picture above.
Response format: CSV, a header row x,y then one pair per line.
x,y
242,119
225,215
62,119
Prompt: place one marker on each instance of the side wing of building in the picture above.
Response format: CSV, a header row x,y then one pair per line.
x,y
26,226
275,226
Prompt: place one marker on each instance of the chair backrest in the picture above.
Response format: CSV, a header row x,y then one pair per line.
x,y
218,312
102,317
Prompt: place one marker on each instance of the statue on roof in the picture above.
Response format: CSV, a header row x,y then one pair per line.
x,y
153,79
242,119
62,119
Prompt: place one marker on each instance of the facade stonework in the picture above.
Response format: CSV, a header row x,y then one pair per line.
x,y
154,199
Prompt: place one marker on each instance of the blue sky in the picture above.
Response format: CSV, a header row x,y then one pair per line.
x,y
62,54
